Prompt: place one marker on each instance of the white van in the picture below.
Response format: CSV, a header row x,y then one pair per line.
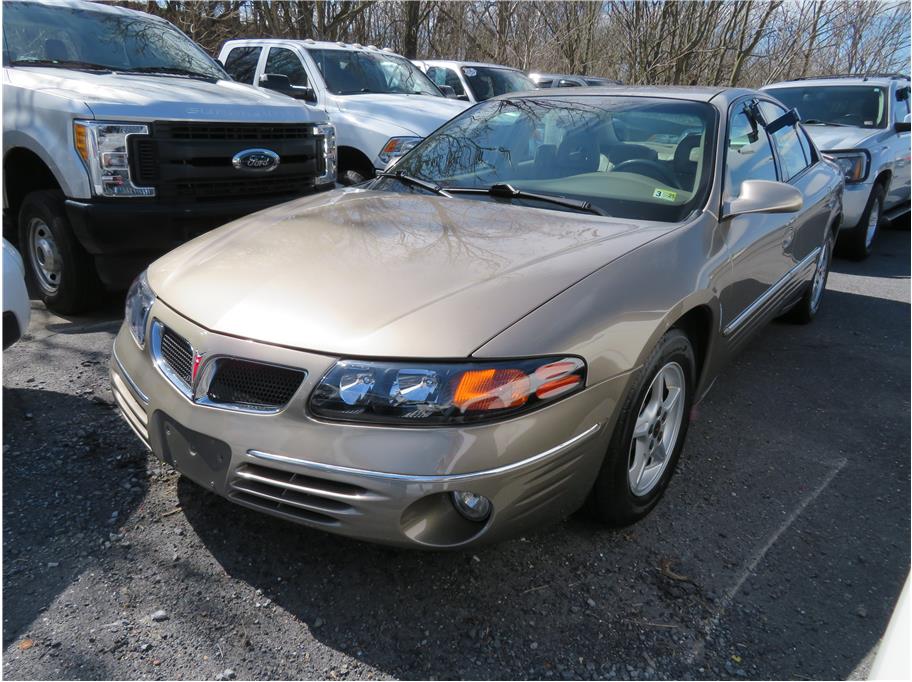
x,y
380,103
123,139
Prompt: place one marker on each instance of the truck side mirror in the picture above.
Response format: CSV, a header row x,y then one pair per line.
x,y
448,91
905,125
281,83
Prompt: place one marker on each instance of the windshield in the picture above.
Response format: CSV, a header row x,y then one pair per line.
x,y
632,157
350,72
490,81
77,37
863,106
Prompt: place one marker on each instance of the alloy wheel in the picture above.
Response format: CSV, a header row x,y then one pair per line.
x,y
656,431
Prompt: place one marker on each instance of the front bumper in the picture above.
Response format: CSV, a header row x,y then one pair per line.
x,y
384,484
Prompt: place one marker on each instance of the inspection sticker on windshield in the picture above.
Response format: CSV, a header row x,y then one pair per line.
x,y
665,194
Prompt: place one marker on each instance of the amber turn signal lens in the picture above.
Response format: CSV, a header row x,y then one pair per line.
x,y
81,140
491,389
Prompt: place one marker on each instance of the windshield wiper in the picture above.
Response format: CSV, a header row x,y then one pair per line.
x,y
818,122
507,191
169,71
416,182
61,64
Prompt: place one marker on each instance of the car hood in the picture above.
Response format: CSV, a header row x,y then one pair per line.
x,y
368,273
416,114
832,138
137,97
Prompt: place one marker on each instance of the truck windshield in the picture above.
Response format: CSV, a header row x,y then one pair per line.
x,y
490,81
353,72
862,106
631,157
63,36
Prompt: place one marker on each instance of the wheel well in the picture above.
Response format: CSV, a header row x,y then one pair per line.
x,y
697,323
884,179
354,159
24,172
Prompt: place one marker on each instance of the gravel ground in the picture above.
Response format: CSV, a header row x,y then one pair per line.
x,y
778,551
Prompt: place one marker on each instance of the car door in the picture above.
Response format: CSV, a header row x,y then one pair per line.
x,y
754,242
900,190
799,166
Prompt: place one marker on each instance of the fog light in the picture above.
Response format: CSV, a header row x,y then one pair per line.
x,y
471,506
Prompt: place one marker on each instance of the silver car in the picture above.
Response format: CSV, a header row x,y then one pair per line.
x,y
516,319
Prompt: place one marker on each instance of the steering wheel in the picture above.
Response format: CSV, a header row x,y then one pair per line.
x,y
649,168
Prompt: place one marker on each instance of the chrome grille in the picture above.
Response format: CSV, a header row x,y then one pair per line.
x,y
177,353
243,382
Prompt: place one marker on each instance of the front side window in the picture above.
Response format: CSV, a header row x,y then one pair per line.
x,y
444,76
631,157
748,155
286,62
241,63
354,72
564,83
486,82
862,106
60,36
793,155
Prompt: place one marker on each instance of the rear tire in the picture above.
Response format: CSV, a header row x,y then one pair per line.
x,y
807,308
649,435
858,242
56,265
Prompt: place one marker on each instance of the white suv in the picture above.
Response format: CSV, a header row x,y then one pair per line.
x,y
863,122
379,102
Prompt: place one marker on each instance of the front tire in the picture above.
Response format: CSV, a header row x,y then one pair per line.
x,y
858,242
649,435
56,264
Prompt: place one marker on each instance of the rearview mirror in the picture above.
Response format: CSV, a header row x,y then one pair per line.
x,y
905,125
764,196
280,83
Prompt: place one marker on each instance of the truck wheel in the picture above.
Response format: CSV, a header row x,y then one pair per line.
x,y
56,264
859,240
649,435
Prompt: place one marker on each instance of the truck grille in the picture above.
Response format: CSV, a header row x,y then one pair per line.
x,y
243,382
177,353
192,162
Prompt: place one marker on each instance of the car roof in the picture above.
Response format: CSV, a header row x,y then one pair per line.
x,y
103,8
719,95
309,42
883,80
454,62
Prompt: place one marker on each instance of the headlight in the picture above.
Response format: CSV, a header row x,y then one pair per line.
x,y
139,301
102,146
854,164
420,394
330,155
396,147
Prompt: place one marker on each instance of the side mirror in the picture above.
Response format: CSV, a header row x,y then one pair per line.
x,y
447,91
905,125
280,83
764,196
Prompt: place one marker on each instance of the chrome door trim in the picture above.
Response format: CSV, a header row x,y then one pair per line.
x,y
764,298
410,478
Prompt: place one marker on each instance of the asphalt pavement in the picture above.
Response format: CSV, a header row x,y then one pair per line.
x,y
778,552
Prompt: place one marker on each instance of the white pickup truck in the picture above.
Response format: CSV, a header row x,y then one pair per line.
x,y
122,139
380,103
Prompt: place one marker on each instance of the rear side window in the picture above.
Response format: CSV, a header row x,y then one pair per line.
x,y
443,76
749,155
241,63
285,62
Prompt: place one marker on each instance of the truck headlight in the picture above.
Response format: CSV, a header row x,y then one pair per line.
x,y
102,146
396,147
139,301
854,164
330,154
443,393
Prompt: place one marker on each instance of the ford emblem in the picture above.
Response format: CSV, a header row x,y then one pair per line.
x,y
257,160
